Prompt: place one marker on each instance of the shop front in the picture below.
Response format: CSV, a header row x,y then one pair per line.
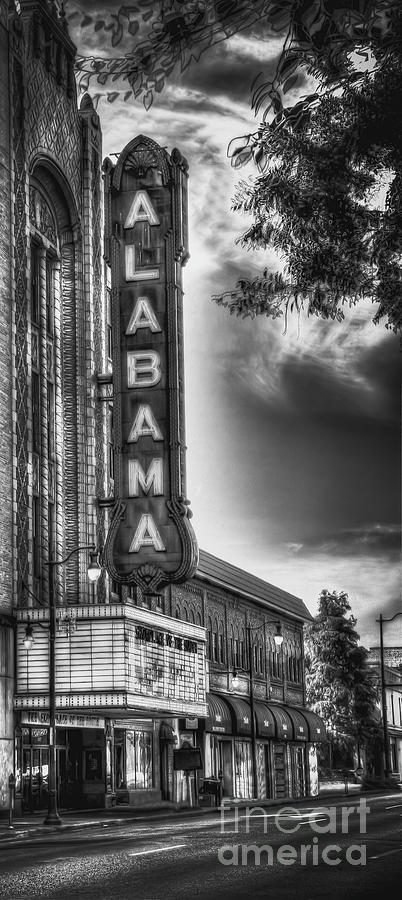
x,y
80,761
124,677
285,748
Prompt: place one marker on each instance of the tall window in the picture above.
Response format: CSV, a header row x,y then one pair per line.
x,y
35,288
214,646
275,663
49,296
209,638
242,654
221,647
294,666
133,760
43,404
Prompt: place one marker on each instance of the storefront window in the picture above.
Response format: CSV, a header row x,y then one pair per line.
x,y
133,760
139,760
243,769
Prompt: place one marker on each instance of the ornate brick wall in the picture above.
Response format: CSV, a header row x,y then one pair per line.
x,y
224,613
6,411
60,148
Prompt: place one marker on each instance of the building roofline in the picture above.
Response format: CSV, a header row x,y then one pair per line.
x,y
223,574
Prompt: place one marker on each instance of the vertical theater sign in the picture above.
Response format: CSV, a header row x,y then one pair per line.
x,y
150,541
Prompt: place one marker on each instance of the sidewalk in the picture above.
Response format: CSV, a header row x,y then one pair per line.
x,y
30,825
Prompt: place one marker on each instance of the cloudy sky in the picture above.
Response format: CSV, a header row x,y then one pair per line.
x,y
293,462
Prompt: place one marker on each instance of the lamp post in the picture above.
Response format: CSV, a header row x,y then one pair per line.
x,y
387,757
94,572
278,638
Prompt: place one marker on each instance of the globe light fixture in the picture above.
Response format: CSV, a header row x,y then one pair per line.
x,y
278,637
29,639
94,569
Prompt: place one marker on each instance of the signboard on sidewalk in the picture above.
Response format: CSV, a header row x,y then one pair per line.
x,y
187,759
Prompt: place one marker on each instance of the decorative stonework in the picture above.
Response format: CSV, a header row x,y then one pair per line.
x,y
276,692
21,326
99,327
53,125
295,697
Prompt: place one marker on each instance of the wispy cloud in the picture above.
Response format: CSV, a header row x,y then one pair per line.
x,y
367,540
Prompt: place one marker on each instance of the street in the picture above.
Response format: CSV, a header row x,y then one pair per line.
x,y
311,851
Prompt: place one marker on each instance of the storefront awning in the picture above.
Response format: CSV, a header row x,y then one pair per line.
x,y
232,715
283,723
219,720
241,715
316,726
265,720
300,729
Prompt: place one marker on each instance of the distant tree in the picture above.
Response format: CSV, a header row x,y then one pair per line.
x,y
320,159
340,685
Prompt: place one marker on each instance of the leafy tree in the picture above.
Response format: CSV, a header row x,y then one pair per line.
x,y
320,160
340,685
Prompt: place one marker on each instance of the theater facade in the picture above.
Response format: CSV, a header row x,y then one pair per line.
x,y
170,650
134,685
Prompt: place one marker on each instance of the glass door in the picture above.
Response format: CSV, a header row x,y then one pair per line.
x,y
225,766
280,771
35,778
243,770
299,771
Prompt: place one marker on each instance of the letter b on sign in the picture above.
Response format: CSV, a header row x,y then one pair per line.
x,y
143,369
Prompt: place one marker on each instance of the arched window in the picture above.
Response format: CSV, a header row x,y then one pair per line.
x,y
233,647
209,638
275,660
45,337
221,644
243,664
54,455
255,657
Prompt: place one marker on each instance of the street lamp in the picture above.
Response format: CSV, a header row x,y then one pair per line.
x,y
381,621
278,638
94,571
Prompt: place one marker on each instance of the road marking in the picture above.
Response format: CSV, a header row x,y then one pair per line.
x,y
158,849
395,806
388,853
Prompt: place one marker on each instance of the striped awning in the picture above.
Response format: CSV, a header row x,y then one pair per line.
x,y
232,715
264,719
316,726
241,715
283,722
300,728
219,720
